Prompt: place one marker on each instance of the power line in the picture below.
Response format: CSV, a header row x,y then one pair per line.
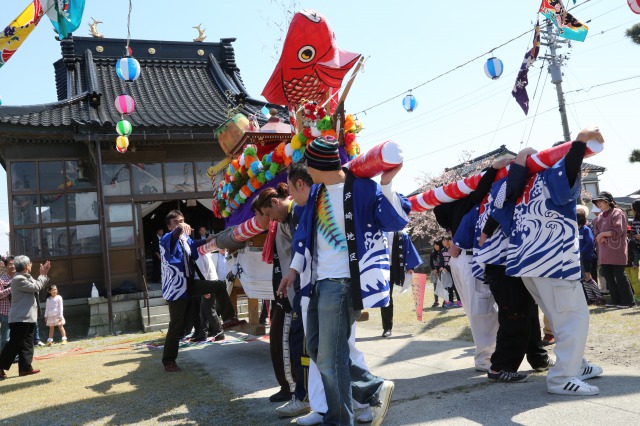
x,y
513,124
604,84
470,61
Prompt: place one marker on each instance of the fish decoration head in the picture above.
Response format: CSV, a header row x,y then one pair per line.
x,y
310,65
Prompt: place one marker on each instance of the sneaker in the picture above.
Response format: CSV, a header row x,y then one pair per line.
x,y
365,416
311,419
548,339
574,387
590,371
171,367
610,305
379,412
506,376
550,363
49,342
459,304
283,395
435,305
64,341
28,373
625,306
219,337
39,343
293,408
386,333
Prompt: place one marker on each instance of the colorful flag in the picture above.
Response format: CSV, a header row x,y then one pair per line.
x,y
568,26
520,88
18,30
265,111
65,15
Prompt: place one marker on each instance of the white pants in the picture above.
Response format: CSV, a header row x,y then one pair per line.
x,y
317,398
480,307
564,304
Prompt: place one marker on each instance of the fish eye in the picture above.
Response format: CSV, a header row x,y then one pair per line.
x,y
306,53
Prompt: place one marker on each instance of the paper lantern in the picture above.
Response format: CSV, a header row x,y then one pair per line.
x,y
635,6
125,104
409,102
493,68
124,128
122,143
128,68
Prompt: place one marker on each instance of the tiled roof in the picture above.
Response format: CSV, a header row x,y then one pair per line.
x,y
181,85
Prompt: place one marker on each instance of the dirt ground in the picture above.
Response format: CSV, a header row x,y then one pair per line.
x,y
119,379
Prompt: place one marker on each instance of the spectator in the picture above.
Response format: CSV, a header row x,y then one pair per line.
x,y
155,254
436,263
446,243
5,300
53,315
610,229
587,257
22,316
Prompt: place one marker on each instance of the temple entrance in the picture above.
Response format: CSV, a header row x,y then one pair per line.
x,y
153,216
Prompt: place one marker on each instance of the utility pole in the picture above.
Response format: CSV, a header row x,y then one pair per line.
x,y
551,38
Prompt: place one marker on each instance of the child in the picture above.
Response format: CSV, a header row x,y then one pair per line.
x,y
436,262
53,315
590,287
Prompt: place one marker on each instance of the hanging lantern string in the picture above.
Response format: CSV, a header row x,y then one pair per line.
x,y
476,58
128,28
446,72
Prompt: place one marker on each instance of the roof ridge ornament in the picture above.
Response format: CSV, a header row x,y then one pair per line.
x,y
93,28
201,35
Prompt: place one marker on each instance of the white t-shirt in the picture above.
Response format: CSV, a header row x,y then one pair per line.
x,y
333,255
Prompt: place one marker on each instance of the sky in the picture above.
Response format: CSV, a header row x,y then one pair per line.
x,y
406,43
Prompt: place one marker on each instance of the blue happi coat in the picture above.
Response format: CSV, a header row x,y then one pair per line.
x,y
544,234
373,216
174,280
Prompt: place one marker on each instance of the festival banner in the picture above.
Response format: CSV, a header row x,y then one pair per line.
x,y
18,30
568,26
519,91
418,286
65,15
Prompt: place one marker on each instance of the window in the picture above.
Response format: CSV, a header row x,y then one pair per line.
x,y
54,242
147,178
119,213
27,242
85,239
53,208
24,209
202,179
179,177
83,206
116,179
23,176
80,174
51,175
121,236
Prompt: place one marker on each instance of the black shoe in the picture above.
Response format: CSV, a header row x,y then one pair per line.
x,y
283,395
505,376
219,336
386,333
16,359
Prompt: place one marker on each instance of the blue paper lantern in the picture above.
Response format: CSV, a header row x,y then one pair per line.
x,y
493,68
409,102
128,68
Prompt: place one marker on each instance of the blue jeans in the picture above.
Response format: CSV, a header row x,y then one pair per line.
x,y
329,320
4,331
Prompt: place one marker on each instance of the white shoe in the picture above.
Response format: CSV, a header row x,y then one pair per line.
x,y
366,416
293,408
590,371
310,419
574,387
39,343
379,412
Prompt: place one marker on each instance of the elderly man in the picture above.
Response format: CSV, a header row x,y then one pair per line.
x,y
22,316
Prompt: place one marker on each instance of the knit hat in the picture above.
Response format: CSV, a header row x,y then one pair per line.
x,y
322,154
